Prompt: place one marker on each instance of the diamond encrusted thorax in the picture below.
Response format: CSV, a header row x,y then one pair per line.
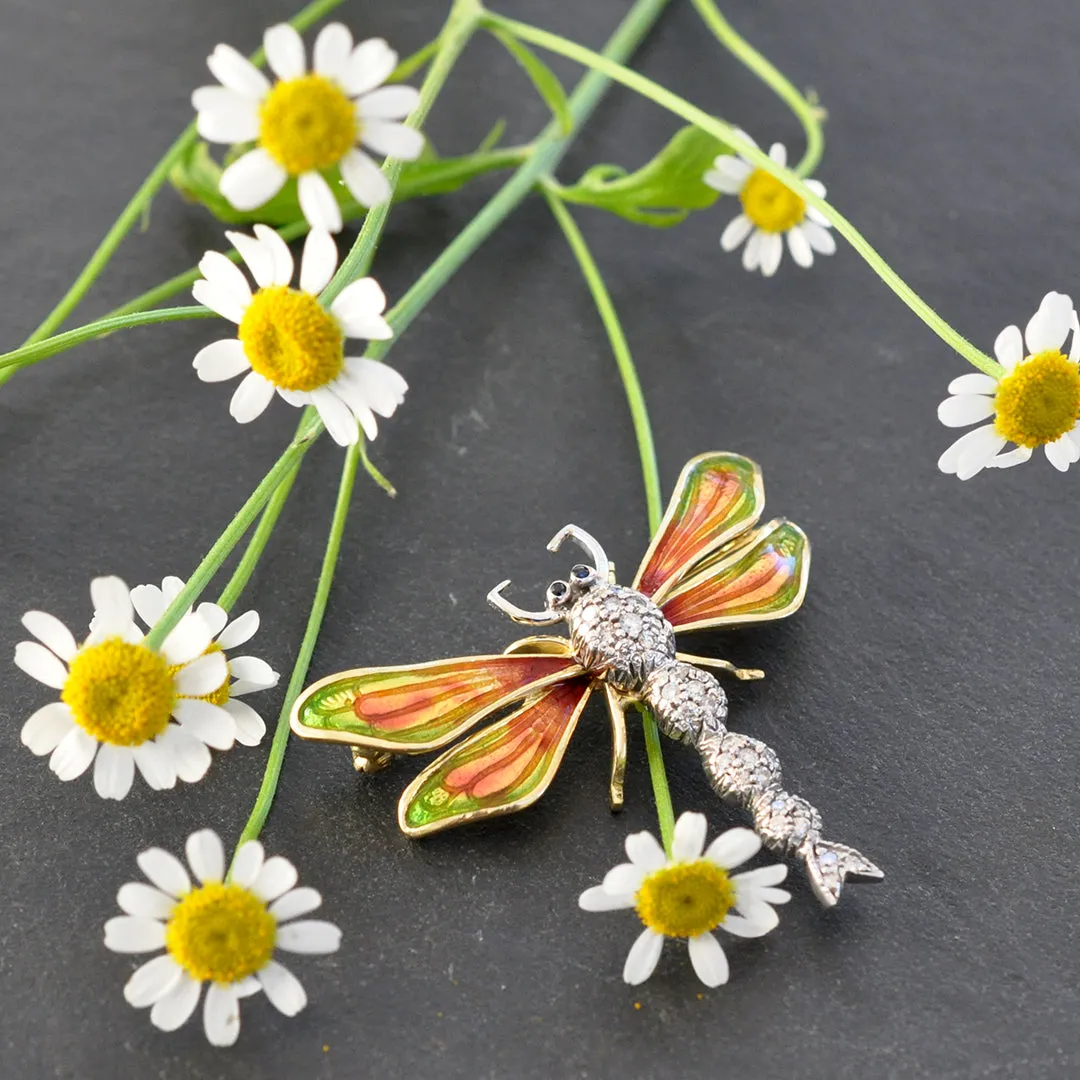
x,y
620,634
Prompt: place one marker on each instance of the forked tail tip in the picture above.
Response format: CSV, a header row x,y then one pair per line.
x,y
830,865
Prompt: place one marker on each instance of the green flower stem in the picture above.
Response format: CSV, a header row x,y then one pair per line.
x,y
31,354
731,135
651,473
236,528
808,115
268,788
141,200
259,539
461,24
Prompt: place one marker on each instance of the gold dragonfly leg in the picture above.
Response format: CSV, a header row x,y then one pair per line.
x,y
744,674
368,761
617,712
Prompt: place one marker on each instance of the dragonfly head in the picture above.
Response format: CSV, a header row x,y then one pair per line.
x,y
560,594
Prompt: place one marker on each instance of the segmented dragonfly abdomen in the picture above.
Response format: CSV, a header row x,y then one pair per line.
x,y
687,702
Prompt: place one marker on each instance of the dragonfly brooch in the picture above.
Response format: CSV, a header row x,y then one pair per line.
x,y
709,565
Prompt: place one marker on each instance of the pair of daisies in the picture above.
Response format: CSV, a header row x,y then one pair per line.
x,y
306,125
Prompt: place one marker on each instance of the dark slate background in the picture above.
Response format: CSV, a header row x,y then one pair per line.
x,y
924,698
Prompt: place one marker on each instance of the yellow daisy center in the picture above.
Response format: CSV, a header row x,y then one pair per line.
x,y
221,933
1039,400
120,693
307,124
770,205
291,339
221,694
686,899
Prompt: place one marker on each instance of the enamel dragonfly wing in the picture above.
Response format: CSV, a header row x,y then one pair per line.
x,y
503,721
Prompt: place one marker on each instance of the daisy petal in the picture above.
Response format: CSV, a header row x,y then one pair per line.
x,y
1061,453
149,603
284,51
371,63
188,756
772,249
294,903
217,362
73,754
319,261
241,629
1050,325
816,186
965,409
388,103
173,1010
49,630
209,723
214,616
225,116
975,382
252,180
642,959
757,911
250,398
112,605
155,764
1016,456
350,391
751,256
188,639
144,901
41,664
224,274
689,838
42,733
738,229
733,847
1009,347
949,460
801,251
165,870
221,1014
217,300
318,203
114,771
359,300
381,387
282,988
256,257
309,936
151,982
979,452
339,419
276,877
707,956
762,876
247,864
364,179
250,726
599,899
821,240
234,70
737,926
644,850
130,934
333,47
203,675
392,140
626,878
205,855
279,251
725,178
778,152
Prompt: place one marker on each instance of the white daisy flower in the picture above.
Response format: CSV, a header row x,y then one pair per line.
x,y
308,123
223,932
690,895
246,674
118,697
770,212
1036,402
288,342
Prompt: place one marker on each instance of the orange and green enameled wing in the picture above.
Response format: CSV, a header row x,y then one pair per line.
x,y
422,707
762,579
499,770
718,496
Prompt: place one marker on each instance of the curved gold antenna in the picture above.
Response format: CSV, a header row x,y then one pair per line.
x,y
529,618
590,545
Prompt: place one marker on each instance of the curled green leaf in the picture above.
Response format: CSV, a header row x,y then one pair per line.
x,y
664,191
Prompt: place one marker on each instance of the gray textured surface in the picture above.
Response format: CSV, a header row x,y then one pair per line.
x,y
924,698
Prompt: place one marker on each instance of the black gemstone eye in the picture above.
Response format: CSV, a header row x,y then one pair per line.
x,y
558,588
581,572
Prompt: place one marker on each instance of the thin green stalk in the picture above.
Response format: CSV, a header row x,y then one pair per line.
x,y
31,354
259,539
461,24
268,788
650,472
808,115
730,135
236,528
140,201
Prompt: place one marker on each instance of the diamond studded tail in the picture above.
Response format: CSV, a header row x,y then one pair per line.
x,y
690,705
